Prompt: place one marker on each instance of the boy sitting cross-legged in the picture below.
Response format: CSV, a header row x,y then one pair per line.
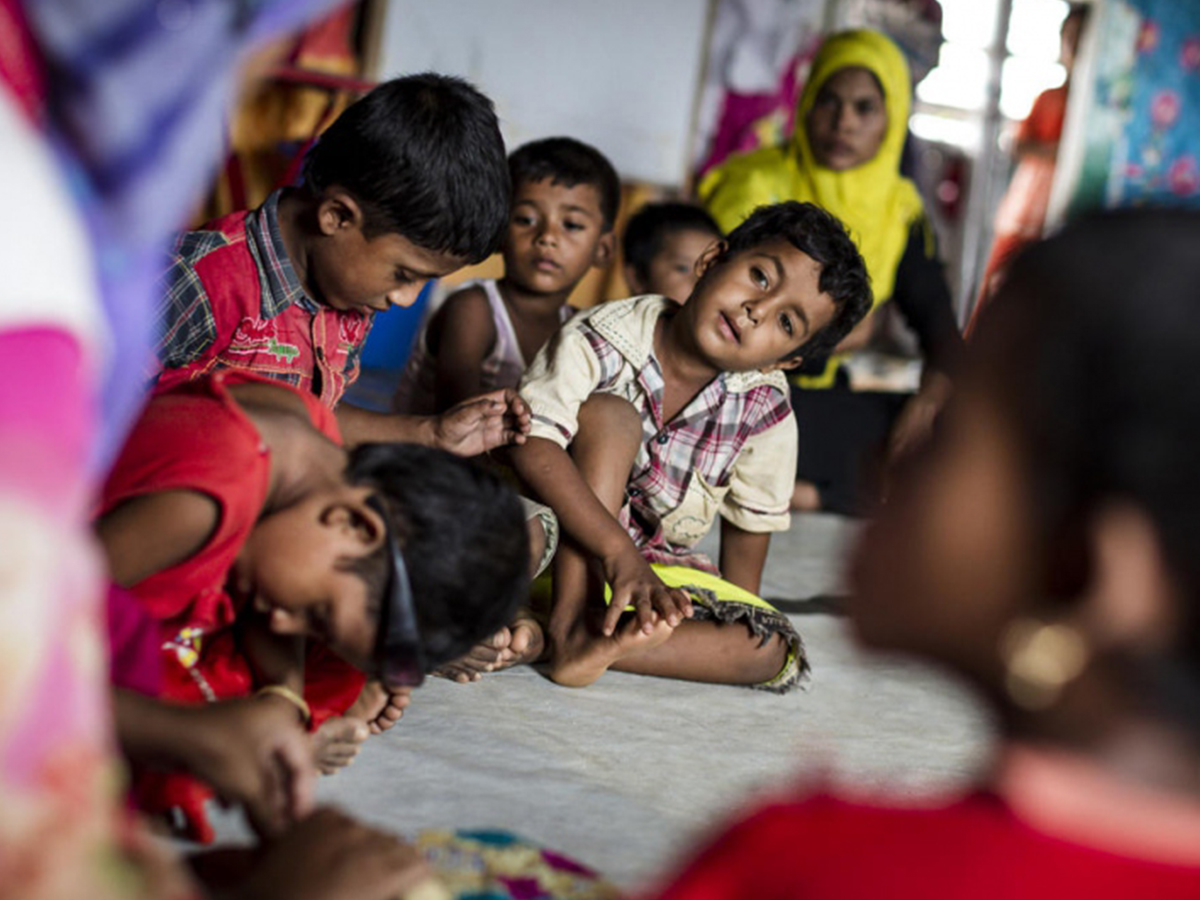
x,y
242,527
408,184
650,419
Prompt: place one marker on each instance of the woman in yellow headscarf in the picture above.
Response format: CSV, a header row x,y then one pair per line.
x,y
844,155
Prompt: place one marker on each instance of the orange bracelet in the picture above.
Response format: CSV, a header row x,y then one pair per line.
x,y
291,697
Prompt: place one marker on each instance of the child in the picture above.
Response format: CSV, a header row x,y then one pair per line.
x,y
661,245
564,204
650,418
241,527
1044,548
408,184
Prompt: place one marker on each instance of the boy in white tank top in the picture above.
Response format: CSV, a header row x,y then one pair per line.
x,y
482,336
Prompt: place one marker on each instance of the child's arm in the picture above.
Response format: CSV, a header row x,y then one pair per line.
x,y
460,335
756,502
152,532
549,470
473,427
743,555
253,752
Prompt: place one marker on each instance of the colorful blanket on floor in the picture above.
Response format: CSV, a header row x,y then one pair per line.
x,y
498,865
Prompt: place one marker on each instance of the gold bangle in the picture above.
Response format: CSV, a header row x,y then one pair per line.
x,y
291,697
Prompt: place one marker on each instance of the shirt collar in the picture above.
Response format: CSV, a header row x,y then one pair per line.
x,y
629,326
281,286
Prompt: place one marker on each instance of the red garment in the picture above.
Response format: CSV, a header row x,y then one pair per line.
x,y
1021,215
975,848
195,437
232,300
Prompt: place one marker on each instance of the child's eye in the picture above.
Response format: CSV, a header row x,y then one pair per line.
x,y
788,327
523,220
574,226
866,107
759,277
403,277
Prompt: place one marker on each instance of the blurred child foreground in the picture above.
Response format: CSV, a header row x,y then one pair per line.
x,y
244,529
1043,547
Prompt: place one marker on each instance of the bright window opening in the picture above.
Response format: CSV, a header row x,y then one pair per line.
x,y
951,99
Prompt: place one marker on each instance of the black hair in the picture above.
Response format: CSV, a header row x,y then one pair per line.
x,y
463,536
823,237
1088,349
424,158
569,162
651,225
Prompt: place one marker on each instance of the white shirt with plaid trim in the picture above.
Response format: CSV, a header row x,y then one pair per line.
x,y
730,452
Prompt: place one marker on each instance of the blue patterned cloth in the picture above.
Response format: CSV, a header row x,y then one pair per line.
x,y
1162,134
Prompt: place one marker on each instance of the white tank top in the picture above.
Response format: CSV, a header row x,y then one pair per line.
x,y
503,365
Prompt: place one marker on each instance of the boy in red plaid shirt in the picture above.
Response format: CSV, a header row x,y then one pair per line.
x,y
410,183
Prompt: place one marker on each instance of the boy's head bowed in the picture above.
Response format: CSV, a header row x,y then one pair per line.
x,y
424,158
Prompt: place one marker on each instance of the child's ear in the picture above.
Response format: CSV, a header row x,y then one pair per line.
x,y
783,365
605,248
712,256
338,210
1131,603
355,520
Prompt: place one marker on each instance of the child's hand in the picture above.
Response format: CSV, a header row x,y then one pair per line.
x,y
483,423
329,856
255,753
635,584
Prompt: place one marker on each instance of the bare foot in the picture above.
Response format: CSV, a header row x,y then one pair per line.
x,y
337,742
483,657
582,656
528,642
379,707
521,642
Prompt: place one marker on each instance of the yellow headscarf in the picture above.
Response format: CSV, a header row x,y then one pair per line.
x,y
877,204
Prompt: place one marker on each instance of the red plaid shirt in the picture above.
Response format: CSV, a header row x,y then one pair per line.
x,y
231,300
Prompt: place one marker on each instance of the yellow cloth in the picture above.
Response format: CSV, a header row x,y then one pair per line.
x,y
875,202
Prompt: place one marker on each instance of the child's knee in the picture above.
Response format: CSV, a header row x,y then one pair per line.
x,y
767,659
614,419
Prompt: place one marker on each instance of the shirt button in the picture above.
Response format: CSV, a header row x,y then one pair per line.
x,y
663,438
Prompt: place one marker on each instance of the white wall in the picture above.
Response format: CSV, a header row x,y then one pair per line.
x,y
619,74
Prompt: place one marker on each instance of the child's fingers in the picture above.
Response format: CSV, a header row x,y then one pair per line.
x,y
295,765
615,608
684,601
646,615
669,607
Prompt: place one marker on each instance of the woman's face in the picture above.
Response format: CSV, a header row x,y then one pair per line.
x,y
848,120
